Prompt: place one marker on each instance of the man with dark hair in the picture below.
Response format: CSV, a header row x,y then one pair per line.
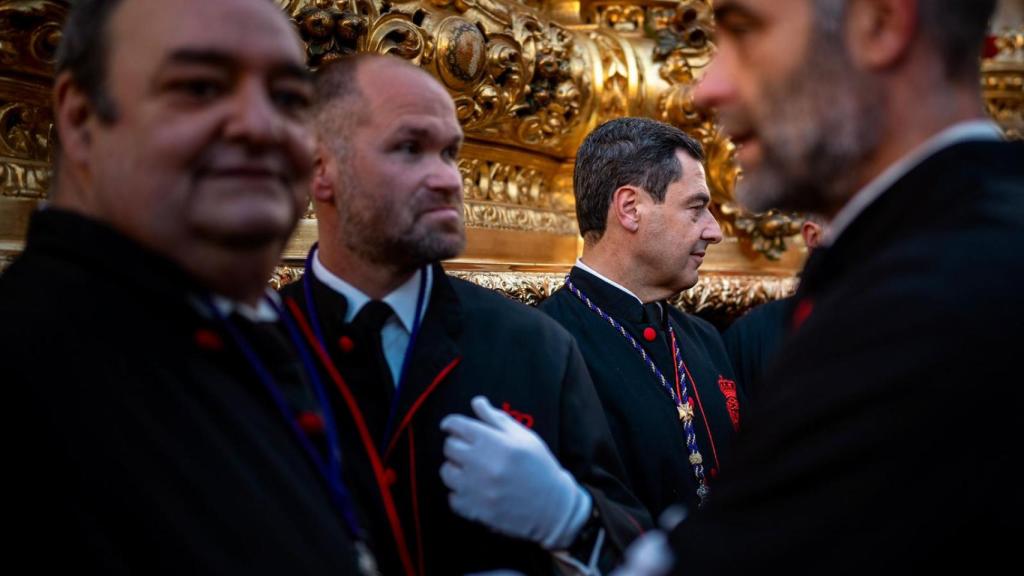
x,y
160,425
663,376
879,443
412,352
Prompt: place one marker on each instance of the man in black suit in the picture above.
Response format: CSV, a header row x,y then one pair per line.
x,y
754,340
406,347
885,439
663,376
154,414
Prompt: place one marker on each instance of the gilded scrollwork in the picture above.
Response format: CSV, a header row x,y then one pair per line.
x,y
722,294
285,275
502,217
330,29
619,84
1002,80
732,295
29,35
506,196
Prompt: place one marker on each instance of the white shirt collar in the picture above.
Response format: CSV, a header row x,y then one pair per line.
x,y
582,266
262,312
959,132
402,299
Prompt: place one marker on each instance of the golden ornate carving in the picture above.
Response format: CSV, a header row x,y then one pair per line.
x,y
719,293
489,215
29,35
1002,81
732,295
329,31
285,275
529,79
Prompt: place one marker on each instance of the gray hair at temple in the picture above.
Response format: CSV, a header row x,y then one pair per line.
x,y
626,151
956,28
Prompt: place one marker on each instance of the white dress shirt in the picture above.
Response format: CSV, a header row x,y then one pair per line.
x,y
397,329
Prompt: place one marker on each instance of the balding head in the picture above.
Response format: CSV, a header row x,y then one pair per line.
x,y
387,189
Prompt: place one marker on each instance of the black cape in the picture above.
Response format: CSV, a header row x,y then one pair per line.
x,y
138,440
642,416
472,342
886,438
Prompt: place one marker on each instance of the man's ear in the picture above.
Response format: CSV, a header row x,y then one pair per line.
x,y
623,208
73,113
880,33
325,174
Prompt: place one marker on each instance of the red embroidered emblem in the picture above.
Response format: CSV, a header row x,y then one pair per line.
x,y
802,312
521,417
732,404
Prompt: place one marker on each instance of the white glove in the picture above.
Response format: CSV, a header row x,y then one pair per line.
x,y
502,475
648,555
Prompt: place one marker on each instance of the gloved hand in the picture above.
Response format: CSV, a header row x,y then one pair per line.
x,y
502,475
648,555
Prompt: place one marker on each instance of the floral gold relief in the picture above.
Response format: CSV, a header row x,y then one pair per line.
x,y
529,80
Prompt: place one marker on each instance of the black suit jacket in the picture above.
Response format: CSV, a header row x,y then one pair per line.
x,y
754,340
472,342
643,417
887,436
137,438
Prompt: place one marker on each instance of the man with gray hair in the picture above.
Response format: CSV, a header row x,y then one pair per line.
x,y
879,442
663,376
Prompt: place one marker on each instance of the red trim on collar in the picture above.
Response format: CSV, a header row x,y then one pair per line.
x,y
364,436
407,419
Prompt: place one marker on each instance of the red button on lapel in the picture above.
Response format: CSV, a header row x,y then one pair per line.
x,y
208,339
311,422
346,344
650,334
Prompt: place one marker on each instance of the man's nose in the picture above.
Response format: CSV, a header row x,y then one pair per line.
x,y
254,119
716,87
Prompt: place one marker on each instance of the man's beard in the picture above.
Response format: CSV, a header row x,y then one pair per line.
x,y
368,230
817,128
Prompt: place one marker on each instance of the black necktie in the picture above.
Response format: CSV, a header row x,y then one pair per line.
x,y
367,325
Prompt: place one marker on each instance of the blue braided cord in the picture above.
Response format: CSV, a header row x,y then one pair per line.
x,y
688,429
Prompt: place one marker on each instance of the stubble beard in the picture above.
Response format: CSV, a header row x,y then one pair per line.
x,y
368,232
817,128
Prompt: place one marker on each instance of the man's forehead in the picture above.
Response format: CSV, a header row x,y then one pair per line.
x,y
756,8
424,124
238,29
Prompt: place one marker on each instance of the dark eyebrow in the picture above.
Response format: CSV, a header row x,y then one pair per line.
x,y
421,133
703,197
734,9
224,60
